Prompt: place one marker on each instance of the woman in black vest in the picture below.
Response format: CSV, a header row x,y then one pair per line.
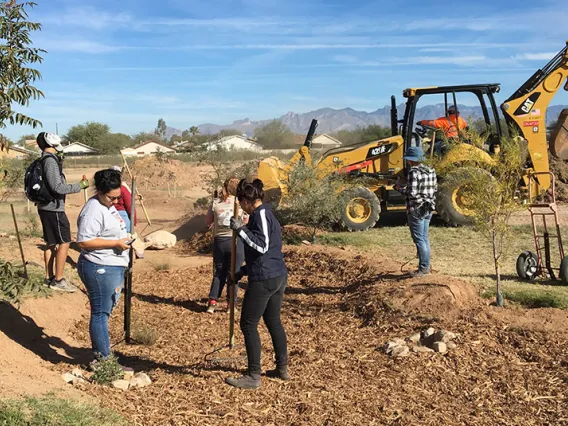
x,y
267,279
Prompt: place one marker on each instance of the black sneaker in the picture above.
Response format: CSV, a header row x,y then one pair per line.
x,y
278,373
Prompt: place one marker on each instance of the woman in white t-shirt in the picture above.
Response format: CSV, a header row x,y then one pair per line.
x,y
102,236
218,217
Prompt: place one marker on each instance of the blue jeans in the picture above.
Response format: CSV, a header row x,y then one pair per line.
x,y
124,215
104,284
419,230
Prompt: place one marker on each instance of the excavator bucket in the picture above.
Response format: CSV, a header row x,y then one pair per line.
x,y
559,137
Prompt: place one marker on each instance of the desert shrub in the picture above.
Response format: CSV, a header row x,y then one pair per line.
x,y
107,371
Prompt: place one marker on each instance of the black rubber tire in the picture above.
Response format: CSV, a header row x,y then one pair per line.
x,y
527,263
374,203
445,207
564,270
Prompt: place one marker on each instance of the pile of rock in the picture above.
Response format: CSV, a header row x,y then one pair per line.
x,y
429,340
129,381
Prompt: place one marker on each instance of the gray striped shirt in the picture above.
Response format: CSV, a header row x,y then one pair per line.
x,y
55,181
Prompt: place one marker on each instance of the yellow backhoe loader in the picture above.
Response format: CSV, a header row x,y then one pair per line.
x,y
382,161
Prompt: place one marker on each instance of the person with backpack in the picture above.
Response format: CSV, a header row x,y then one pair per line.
x,y
45,185
267,280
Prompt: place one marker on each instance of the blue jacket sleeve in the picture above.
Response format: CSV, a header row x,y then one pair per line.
x,y
256,235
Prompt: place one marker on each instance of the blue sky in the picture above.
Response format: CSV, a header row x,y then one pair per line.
x,y
127,63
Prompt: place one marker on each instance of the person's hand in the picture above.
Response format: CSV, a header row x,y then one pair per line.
x,y
121,244
84,184
239,274
236,224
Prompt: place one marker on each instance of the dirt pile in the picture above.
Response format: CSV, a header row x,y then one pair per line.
x,y
153,173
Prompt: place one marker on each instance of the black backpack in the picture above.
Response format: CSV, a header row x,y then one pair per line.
x,y
35,183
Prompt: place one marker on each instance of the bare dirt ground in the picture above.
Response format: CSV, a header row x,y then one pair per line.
x,y
340,309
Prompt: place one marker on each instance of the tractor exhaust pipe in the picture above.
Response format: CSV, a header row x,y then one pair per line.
x,y
311,133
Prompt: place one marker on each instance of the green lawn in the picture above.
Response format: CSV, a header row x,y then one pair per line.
x,y
50,411
462,253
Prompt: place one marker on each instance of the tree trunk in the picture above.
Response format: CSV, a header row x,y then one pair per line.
x,y
496,258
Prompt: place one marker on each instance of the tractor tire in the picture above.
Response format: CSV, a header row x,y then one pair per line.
x,y
361,210
527,266
451,198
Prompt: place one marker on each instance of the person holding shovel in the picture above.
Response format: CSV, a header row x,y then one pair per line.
x,y
218,217
267,280
104,243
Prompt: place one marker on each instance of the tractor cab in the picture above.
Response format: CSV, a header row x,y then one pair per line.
x,y
429,120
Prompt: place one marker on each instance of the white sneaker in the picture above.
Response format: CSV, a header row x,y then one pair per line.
x,y
63,285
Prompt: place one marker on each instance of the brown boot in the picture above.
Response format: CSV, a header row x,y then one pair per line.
x,y
246,381
279,373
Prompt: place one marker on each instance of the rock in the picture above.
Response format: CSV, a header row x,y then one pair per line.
x,y
79,381
160,240
11,237
140,380
77,372
68,377
3,235
306,243
128,375
451,345
121,384
415,338
428,332
440,347
390,346
400,351
444,336
421,349
139,246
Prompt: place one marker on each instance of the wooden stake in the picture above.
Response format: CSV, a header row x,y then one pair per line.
x,y
19,242
136,192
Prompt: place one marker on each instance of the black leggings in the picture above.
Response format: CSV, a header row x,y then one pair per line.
x,y
222,264
264,299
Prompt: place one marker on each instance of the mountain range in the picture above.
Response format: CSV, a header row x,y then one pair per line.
x,y
332,120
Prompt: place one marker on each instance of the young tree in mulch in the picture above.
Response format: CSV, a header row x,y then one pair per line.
x,y
312,200
491,197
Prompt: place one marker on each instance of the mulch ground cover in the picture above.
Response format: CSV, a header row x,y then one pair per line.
x,y
339,311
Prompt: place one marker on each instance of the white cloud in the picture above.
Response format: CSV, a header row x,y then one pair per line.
x,y
75,45
87,17
542,56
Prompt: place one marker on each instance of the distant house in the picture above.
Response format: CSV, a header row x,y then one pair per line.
x,y
16,151
235,142
31,144
323,142
78,149
147,148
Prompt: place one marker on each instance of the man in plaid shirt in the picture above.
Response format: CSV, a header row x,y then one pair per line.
x,y
420,192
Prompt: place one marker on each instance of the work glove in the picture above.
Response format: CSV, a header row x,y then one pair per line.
x,y
236,224
84,184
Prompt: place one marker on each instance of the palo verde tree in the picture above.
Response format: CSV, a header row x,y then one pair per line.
x,y
16,59
491,196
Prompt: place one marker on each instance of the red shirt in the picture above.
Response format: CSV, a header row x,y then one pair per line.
x,y
125,203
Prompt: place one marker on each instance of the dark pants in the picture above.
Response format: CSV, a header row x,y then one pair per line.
x,y
222,265
264,299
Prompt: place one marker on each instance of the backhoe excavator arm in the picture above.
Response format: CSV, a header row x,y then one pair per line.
x,y
525,112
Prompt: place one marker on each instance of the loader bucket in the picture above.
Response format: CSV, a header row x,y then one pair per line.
x,y
559,137
271,173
